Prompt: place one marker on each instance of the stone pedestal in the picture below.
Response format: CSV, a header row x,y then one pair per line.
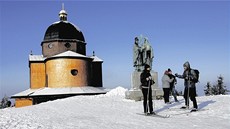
x,y
136,94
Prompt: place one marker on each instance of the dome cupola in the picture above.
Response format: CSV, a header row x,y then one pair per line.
x,y
63,29
63,36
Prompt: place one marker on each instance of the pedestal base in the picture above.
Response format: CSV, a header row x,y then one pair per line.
x,y
136,94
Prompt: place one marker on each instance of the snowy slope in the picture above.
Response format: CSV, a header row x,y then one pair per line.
x,y
112,111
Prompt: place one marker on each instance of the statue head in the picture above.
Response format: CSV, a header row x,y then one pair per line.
x,y
136,40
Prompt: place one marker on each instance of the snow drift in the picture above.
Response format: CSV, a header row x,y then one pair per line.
x,y
112,110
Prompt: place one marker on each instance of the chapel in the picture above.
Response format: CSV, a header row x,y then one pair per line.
x,y
63,69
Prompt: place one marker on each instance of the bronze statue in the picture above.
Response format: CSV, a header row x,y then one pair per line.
x,y
137,55
142,54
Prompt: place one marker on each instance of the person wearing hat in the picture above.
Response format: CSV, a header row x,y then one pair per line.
x,y
166,86
172,84
146,82
190,86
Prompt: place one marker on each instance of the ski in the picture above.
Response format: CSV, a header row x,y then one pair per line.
x,y
154,115
161,116
181,113
182,109
185,111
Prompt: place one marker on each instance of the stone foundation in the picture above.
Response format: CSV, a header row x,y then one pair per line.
x,y
136,94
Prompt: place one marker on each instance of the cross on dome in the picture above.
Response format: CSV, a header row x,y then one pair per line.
x,y
63,14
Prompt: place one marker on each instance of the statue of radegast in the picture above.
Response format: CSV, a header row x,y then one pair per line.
x,y
142,54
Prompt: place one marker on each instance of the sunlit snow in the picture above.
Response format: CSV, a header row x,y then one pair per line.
x,y
113,111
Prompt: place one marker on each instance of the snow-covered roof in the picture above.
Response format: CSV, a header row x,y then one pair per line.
x,y
26,92
96,59
70,54
36,58
64,54
69,23
60,91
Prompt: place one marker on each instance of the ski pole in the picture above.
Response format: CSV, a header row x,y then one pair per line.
x,y
155,95
188,89
147,104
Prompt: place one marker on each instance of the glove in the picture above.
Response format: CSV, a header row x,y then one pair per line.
x,y
176,75
149,78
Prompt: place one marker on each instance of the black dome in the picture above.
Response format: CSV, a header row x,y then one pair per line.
x,y
63,30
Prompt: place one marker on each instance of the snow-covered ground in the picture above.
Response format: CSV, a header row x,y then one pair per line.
x,y
113,111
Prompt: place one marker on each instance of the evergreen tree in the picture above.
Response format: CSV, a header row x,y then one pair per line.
x,y
217,89
5,102
208,89
220,86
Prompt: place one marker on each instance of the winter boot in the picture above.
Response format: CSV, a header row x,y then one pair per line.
x,y
152,113
194,110
184,107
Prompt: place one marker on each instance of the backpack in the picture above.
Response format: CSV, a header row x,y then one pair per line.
x,y
197,75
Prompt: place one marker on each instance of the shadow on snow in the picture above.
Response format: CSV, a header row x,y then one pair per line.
x,y
201,105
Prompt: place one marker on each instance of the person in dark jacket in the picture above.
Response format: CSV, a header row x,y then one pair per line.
x,y
146,82
189,76
172,84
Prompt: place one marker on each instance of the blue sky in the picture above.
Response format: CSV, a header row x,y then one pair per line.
x,y
178,31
